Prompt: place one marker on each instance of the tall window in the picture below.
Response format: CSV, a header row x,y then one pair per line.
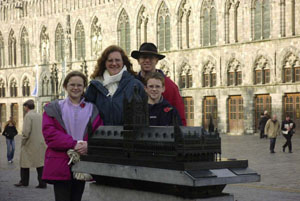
x,y
24,47
2,88
141,28
189,110
25,87
234,73
262,71
13,88
184,25
96,38
79,41
2,57
291,68
59,43
12,49
209,75
260,19
163,28
208,23
288,6
186,78
231,19
124,31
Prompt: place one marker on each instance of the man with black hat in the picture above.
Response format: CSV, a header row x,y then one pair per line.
x,y
147,57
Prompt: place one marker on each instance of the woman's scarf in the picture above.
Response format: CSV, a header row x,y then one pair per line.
x,y
111,82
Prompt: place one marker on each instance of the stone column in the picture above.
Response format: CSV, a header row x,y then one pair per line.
x,y
249,111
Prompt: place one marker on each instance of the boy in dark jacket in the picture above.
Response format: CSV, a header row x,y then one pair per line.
x,y
161,112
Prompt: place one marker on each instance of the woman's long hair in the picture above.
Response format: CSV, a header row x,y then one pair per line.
x,y
100,66
10,121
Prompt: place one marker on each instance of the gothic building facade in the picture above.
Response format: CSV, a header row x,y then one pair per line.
x,y
231,59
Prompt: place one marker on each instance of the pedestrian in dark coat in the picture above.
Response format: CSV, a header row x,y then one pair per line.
x,y
148,57
288,129
262,124
161,112
10,131
113,79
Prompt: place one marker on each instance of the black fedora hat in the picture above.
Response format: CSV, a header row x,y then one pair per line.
x,y
147,48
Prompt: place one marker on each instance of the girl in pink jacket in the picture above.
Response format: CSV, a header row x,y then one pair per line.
x,y
65,127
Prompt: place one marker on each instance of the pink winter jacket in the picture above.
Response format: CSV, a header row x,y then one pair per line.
x,y
59,142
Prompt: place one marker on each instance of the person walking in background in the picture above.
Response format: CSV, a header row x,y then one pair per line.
x,y
113,79
10,131
262,124
272,129
33,146
288,129
148,57
64,128
161,112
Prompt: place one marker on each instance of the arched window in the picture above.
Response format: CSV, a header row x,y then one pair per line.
x,y
25,87
96,38
59,43
12,49
2,88
79,41
141,28
2,57
186,78
262,71
13,88
45,86
164,67
208,21
209,75
184,25
231,22
24,47
163,28
124,31
234,73
260,19
291,68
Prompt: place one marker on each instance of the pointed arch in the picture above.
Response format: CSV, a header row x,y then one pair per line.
x,y
12,49
183,29
24,44
13,88
231,14
261,70
291,68
208,23
186,76
59,43
124,31
79,41
163,27
26,86
209,74
234,72
46,86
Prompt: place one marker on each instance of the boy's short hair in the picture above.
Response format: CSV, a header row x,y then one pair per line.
x,y
29,104
155,75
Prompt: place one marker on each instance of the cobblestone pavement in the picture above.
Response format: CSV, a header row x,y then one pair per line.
x,y
280,172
